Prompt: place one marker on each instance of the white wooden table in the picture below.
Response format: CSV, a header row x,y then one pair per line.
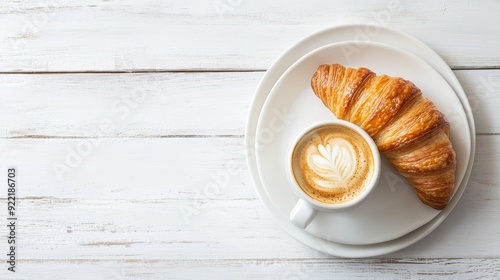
x,y
116,113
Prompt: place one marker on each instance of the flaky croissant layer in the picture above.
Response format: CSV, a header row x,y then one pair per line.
x,y
407,127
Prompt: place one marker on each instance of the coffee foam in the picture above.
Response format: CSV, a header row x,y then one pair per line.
x,y
333,164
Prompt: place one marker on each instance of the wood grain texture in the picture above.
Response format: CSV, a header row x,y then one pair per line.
x,y
166,104
94,35
297,269
136,105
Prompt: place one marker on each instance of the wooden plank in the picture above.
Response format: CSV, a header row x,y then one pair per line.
x,y
137,105
170,168
191,198
94,35
482,89
163,104
300,269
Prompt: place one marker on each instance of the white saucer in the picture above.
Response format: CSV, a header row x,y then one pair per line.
x,y
393,209
295,52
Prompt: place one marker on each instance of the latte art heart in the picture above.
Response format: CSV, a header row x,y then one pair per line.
x,y
334,163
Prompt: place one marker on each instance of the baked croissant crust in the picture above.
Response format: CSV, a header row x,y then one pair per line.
x,y
407,127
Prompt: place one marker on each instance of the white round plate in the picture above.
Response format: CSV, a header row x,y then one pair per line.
x,y
393,209
290,56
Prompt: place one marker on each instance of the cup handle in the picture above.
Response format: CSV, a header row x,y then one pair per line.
x,y
302,214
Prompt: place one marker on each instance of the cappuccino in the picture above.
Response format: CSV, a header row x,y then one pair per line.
x,y
333,164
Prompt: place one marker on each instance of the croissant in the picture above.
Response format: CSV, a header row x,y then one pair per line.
x,y
407,127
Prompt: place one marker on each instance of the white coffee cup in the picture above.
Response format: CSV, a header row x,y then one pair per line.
x,y
306,208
